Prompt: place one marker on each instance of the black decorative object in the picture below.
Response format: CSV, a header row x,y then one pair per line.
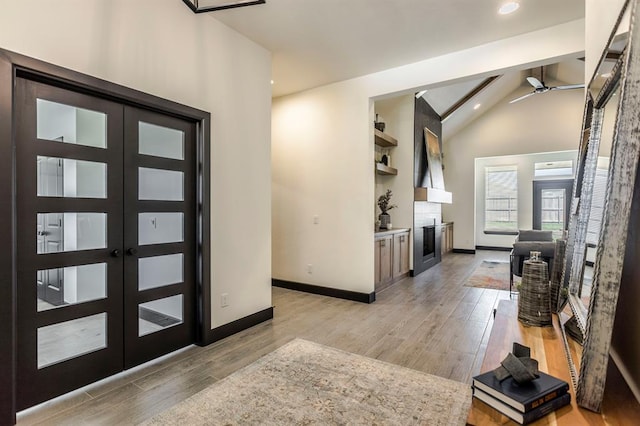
x,y
380,125
385,160
519,365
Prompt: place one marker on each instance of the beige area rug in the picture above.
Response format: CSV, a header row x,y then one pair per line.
x,y
307,383
490,274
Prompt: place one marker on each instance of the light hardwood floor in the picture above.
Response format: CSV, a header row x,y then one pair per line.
x,y
431,323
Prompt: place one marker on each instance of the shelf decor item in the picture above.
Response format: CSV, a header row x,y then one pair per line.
x,y
533,303
379,124
384,204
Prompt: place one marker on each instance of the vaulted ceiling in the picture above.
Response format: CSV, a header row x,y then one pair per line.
x,y
316,42
509,85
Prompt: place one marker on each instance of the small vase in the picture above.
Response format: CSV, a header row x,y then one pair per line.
x,y
385,220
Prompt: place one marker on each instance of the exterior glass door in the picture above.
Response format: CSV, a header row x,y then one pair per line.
x,y
551,204
105,238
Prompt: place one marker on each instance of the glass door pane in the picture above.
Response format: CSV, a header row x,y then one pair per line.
x,y
66,340
553,211
70,124
65,177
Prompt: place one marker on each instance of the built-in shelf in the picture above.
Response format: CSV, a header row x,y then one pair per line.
x,y
384,140
381,169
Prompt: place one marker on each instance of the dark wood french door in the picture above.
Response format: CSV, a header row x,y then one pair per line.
x,y
551,205
106,238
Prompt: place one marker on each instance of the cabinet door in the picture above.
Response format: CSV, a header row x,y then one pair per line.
x,y
447,238
385,258
377,261
443,241
401,254
404,253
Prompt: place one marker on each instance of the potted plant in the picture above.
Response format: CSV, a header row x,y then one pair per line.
x,y
384,204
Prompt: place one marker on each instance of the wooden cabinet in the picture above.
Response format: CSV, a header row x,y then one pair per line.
x,y
400,254
391,257
447,237
384,260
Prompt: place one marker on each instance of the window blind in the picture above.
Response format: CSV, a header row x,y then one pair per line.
x,y
501,198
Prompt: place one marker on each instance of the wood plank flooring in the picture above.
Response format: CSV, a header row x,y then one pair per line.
x,y
430,323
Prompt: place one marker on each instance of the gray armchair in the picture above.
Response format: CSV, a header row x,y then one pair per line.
x,y
526,242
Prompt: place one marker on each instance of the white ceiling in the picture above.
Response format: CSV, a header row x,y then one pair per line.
x,y
508,86
316,42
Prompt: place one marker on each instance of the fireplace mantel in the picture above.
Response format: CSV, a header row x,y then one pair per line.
x,y
432,195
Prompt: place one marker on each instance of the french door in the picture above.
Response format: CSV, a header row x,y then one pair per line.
x,y
551,205
106,238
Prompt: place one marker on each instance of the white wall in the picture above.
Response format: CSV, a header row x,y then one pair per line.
x,y
541,123
162,48
525,164
322,156
322,143
398,114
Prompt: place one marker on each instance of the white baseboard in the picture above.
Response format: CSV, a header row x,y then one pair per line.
x,y
625,374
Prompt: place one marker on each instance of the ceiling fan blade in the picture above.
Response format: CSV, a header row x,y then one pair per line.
x,y
568,87
535,83
522,97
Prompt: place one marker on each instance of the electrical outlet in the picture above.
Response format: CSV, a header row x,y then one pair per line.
x,y
224,300
309,269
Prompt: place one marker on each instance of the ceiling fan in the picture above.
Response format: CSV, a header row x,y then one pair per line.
x,y
540,87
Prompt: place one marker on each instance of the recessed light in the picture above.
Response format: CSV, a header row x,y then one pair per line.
x,y
476,106
508,7
605,75
272,82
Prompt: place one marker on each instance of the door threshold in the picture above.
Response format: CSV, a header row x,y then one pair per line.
x,y
102,382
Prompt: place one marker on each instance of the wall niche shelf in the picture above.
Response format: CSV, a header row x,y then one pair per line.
x,y
383,140
381,169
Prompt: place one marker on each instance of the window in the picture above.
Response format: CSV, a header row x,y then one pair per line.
x,y
501,199
554,169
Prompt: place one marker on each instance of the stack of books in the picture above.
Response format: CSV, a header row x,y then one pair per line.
x,y
523,403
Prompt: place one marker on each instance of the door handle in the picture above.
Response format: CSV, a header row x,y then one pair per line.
x,y
132,251
115,253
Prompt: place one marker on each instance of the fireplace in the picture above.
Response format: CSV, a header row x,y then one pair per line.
x,y
427,236
428,242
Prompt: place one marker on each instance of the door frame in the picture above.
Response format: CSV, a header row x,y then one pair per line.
x,y
13,65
